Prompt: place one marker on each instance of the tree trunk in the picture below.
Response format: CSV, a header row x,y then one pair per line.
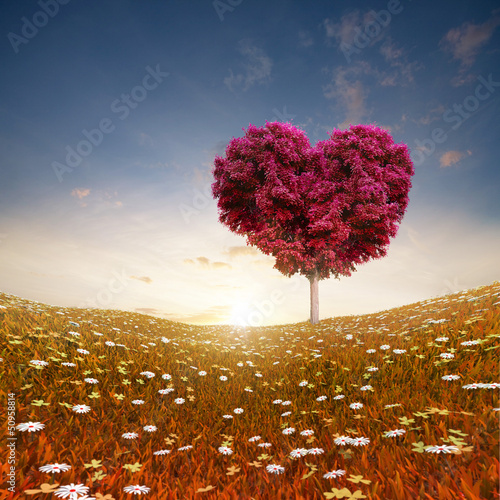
x,y
313,280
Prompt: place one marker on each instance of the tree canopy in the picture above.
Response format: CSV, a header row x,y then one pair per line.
x,y
319,210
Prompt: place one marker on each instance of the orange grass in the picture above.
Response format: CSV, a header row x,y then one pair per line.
x,y
406,394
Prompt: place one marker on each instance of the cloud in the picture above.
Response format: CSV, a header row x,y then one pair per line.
x,y
146,279
145,139
100,198
343,31
219,265
239,251
80,193
434,114
396,57
390,52
257,68
108,199
205,263
350,25
452,157
268,261
233,253
349,28
305,39
349,93
202,177
147,310
416,240
464,42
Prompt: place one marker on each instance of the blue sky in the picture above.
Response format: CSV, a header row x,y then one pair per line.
x,y
112,113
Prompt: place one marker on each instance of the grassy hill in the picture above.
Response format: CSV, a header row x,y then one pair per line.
x,y
401,404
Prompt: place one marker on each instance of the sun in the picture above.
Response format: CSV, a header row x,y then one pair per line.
x,y
240,313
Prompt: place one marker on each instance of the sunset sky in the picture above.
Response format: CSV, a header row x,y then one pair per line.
x,y
112,113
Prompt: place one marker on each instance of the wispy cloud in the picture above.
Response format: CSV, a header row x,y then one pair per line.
x,y
220,265
434,114
464,43
397,59
237,251
100,198
109,199
350,31
80,193
257,68
417,240
451,157
206,263
349,86
147,310
345,30
145,139
146,279
349,92
305,39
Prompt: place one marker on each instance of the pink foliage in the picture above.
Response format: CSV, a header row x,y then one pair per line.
x,y
323,208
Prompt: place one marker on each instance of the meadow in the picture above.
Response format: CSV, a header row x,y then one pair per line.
x,y
109,405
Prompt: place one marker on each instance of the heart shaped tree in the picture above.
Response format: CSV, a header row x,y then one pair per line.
x,y
318,210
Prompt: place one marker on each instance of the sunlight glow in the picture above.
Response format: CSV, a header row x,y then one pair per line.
x,y
240,313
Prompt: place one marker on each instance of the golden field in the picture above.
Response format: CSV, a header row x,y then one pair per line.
x,y
105,404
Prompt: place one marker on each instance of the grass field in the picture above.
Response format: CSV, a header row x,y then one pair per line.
x,y
401,404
